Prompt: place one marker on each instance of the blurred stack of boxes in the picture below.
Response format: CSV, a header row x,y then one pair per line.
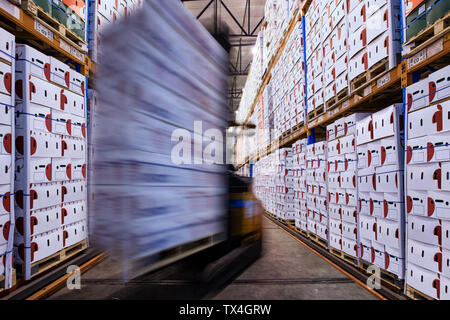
x,y
317,189
102,13
51,208
419,14
300,199
166,196
7,102
342,184
428,185
380,150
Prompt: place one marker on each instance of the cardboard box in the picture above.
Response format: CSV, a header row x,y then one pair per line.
x,y
425,255
388,122
390,233
389,178
423,280
417,95
430,148
357,17
368,227
425,230
425,176
393,206
416,203
428,121
357,42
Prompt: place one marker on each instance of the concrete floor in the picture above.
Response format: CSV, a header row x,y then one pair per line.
x,y
287,271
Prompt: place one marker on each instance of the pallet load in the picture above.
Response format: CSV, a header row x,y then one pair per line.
x,y
277,14
154,200
335,57
300,199
7,150
284,182
420,17
51,209
428,187
289,85
314,33
379,139
374,39
69,17
316,192
103,13
342,187
264,182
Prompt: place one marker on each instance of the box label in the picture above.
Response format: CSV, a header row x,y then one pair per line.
x,y
43,30
384,80
417,58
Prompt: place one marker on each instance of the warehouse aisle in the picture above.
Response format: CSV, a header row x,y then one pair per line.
x,y
287,270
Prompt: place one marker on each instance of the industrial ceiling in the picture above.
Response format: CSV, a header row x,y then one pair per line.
x,y
241,20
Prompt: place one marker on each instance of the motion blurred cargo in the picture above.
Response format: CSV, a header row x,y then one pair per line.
x,y
150,211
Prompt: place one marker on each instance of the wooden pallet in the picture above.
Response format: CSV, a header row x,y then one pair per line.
x,y
13,282
286,133
289,222
56,259
366,78
441,26
51,23
320,241
163,258
317,112
297,127
302,232
344,256
416,294
388,279
337,99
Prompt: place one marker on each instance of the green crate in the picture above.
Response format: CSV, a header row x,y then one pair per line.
x,y
44,5
76,25
440,9
418,25
59,12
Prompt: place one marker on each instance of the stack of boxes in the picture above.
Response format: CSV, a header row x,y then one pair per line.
x,y
288,85
50,184
335,44
316,189
379,139
147,193
277,15
103,13
428,185
300,199
374,34
264,182
284,182
342,184
7,66
315,31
